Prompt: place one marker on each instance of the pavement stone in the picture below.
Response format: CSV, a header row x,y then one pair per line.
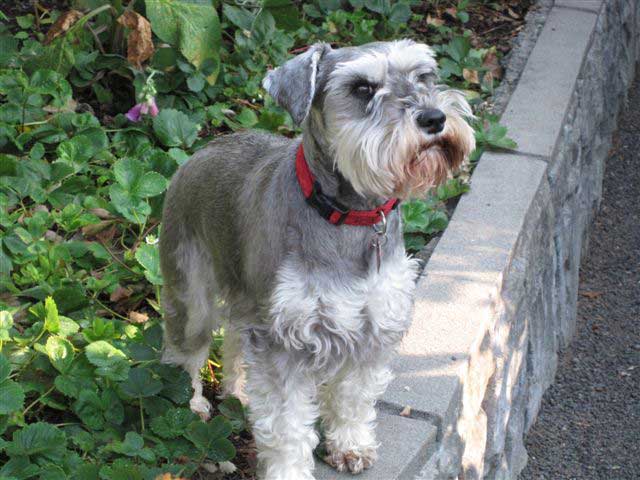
x,y
592,5
405,445
538,106
455,294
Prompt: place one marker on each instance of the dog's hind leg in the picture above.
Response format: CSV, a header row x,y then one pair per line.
x,y
233,372
190,312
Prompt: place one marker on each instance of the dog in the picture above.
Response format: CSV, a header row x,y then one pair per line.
x,y
295,247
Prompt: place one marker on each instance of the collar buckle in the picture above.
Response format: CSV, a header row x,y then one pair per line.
x,y
326,205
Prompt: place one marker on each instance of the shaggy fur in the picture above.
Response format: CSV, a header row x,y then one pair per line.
x,y
310,321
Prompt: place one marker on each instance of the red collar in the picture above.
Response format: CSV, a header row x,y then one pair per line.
x,y
328,207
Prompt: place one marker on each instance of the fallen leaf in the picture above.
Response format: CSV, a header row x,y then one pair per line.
x,y
41,208
101,213
513,14
406,411
492,65
62,25
470,76
94,229
436,22
53,236
105,236
70,107
137,317
139,42
120,293
168,476
590,294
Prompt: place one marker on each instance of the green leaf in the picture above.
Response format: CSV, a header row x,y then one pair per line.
x,y
231,408
174,423
38,440
51,319
12,397
459,48
25,21
247,118
285,13
150,185
211,439
99,410
128,172
6,320
196,82
414,243
149,257
5,367
378,6
111,362
141,383
400,13
73,385
60,353
133,446
180,156
174,129
131,207
414,215
240,17
192,25
8,164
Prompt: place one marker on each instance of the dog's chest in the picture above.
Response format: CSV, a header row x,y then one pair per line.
x,y
331,314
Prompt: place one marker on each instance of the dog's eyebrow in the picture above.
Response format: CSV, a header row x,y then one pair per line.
x,y
405,57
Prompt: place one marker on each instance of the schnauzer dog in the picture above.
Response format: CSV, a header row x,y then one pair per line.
x,y
295,247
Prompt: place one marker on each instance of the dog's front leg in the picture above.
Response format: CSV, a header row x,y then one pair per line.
x,y
282,411
348,416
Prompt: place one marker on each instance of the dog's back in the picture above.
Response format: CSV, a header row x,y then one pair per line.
x,y
204,202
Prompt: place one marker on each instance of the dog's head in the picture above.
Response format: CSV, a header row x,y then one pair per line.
x,y
380,113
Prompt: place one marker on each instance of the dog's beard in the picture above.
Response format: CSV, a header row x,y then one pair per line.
x,y
396,159
429,163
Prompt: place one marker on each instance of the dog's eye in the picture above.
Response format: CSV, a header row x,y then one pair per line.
x,y
425,77
364,90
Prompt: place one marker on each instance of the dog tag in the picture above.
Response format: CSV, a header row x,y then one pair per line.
x,y
377,245
379,237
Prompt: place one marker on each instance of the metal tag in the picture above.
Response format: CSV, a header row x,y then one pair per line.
x,y
380,236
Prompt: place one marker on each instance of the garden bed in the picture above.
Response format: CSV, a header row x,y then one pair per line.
x,y
82,185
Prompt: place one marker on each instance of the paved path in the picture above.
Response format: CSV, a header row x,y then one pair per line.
x,y
589,423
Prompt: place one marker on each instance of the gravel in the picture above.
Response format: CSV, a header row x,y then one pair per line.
x,y
589,422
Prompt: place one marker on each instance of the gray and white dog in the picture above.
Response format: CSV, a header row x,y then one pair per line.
x,y
312,309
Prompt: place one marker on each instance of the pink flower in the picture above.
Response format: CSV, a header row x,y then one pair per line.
x,y
144,108
135,113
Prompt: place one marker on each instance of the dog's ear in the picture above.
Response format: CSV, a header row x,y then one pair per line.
x,y
293,85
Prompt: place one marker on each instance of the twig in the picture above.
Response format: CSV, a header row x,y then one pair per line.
x,y
24,412
117,259
96,38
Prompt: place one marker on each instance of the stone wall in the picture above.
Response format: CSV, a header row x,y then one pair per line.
x,y
535,207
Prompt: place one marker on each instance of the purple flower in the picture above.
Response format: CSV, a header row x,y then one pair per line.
x,y
144,108
135,114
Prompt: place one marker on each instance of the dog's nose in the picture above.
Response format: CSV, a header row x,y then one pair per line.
x,y
432,120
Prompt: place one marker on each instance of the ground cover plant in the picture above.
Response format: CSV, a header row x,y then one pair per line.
x,y
100,102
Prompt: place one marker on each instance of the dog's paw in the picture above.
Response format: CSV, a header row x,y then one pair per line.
x,y
201,407
354,461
